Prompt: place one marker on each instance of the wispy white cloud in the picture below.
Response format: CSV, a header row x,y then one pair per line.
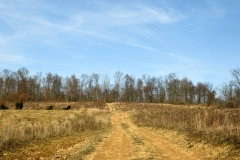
x,y
143,47
120,23
31,25
105,24
11,58
124,16
181,58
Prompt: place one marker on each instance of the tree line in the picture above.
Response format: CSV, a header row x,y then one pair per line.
x,y
21,86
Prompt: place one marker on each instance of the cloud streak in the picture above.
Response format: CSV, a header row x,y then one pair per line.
x,y
181,58
30,23
85,22
11,58
123,16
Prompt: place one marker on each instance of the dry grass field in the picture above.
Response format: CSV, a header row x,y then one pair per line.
x,y
35,123
58,105
139,131
209,123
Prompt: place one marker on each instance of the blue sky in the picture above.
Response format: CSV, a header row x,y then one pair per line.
x,y
198,39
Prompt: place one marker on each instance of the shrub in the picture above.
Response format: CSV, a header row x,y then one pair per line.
x,y
180,102
19,105
50,107
230,104
3,107
67,108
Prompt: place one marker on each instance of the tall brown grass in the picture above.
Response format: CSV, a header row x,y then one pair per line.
x,y
209,123
58,105
26,125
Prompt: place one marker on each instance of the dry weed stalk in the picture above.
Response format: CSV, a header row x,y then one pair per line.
x,y
212,124
22,130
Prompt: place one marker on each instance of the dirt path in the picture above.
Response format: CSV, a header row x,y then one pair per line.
x,y
127,141
160,147
117,146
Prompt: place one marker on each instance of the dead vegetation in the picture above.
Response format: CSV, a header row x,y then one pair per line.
x,y
57,105
202,124
21,126
211,124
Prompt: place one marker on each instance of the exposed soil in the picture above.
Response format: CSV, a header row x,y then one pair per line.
x,y
64,147
130,142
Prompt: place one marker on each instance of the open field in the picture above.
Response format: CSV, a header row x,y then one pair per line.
x,y
20,127
211,124
58,105
138,131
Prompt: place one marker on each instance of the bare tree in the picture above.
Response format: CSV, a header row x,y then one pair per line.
x,y
47,87
10,85
129,83
118,77
173,88
83,87
227,94
32,87
106,87
236,82
72,88
39,87
139,90
56,88
184,90
199,92
96,86
161,90
236,75
150,88
1,88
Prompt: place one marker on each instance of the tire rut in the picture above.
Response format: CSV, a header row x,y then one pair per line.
x,y
128,142
117,146
160,147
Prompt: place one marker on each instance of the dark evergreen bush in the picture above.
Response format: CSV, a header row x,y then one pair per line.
x,y
67,108
50,107
3,107
19,105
